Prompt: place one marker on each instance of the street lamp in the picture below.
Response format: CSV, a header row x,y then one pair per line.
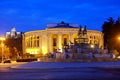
x,y
2,45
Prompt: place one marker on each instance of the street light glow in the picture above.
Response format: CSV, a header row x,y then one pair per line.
x,y
2,44
118,38
92,46
2,38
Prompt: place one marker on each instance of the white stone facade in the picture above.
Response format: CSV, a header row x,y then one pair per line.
x,y
51,39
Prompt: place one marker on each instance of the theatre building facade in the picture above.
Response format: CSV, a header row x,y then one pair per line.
x,y
55,36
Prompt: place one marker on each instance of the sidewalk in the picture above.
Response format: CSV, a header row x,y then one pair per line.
x,y
8,65
56,65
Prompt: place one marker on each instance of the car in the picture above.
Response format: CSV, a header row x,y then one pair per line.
x,y
7,61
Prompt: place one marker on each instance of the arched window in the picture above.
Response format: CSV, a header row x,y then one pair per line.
x,y
65,41
54,42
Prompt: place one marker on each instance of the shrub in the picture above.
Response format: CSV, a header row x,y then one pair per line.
x,y
26,60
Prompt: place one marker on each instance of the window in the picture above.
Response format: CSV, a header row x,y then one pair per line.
x,y
54,41
37,37
31,41
90,36
38,41
34,41
65,41
28,42
95,42
90,41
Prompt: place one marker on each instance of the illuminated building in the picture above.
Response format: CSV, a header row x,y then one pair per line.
x,y
54,36
13,34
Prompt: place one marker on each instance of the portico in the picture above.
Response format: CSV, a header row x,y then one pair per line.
x,y
53,38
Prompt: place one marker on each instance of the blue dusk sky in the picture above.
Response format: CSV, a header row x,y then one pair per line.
x,y
28,15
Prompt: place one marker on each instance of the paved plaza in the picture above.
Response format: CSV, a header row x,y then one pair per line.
x,y
84,71
60,74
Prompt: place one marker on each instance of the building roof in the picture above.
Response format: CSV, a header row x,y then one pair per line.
x,y
62,25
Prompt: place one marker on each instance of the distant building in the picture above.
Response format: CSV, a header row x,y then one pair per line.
x,y
13,34
54,36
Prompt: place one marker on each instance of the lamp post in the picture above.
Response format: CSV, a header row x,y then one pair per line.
x,y
2,45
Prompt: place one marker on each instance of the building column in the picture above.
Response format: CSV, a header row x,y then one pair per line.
x,y
60,41
47,43
30,42
71,39
102,40
41,43
36,41
40,46
50,43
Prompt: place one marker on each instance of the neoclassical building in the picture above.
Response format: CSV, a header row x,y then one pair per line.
x,y
54,36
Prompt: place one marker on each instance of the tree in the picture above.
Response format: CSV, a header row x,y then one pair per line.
x,y
111,30
107,26
15,46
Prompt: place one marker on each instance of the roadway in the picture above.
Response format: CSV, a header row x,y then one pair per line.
x,y
82,73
